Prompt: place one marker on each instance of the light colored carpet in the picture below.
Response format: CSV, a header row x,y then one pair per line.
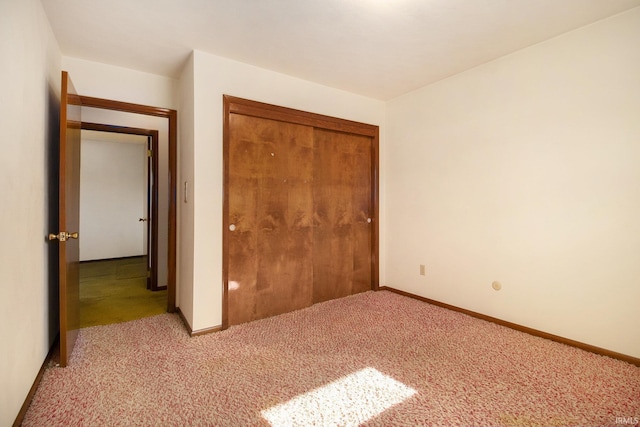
x,y
376,359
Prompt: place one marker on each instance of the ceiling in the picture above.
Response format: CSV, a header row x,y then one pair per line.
x,y
377,48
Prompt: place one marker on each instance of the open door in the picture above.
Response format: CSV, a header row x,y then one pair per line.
x,y
69,214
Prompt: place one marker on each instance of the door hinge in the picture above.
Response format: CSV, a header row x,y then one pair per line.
x,y
149,153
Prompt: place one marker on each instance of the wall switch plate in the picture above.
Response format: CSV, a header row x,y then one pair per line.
x,y
186,192
423,270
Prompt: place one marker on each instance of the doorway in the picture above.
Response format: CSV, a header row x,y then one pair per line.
x,y
119,227
167,257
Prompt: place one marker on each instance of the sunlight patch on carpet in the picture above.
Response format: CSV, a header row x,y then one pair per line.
x,y
349,401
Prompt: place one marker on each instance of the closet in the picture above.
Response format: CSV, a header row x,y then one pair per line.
x,y
300,209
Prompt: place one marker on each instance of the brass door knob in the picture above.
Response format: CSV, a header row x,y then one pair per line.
x,y
63,236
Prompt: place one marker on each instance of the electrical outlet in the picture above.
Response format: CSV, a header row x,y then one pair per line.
x,y
423,270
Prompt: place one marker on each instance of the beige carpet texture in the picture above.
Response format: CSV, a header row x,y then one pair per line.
x,y
373,359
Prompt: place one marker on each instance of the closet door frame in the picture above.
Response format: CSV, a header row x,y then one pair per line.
x,y
235,105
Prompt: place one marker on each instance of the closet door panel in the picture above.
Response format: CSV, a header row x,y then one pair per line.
x,y
332,205
363,214
300,198
243,199
299,186
342,206
270,198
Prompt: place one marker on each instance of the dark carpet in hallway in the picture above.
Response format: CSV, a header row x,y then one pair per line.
x,y
114,291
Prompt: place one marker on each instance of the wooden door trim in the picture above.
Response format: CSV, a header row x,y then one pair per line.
x,y
127,107
172,117
101,127
274,112
153,134
235,105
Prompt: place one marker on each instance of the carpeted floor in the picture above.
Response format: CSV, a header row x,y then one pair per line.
x,y
115,290
375,359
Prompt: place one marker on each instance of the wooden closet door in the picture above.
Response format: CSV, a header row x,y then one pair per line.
x,y
270,268
342,194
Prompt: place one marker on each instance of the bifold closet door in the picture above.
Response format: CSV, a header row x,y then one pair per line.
x,y
342,189
270,268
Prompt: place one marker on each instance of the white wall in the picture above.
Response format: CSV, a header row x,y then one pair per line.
x,y
29,114
185,205
121,84
526,171
113,196
213,77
